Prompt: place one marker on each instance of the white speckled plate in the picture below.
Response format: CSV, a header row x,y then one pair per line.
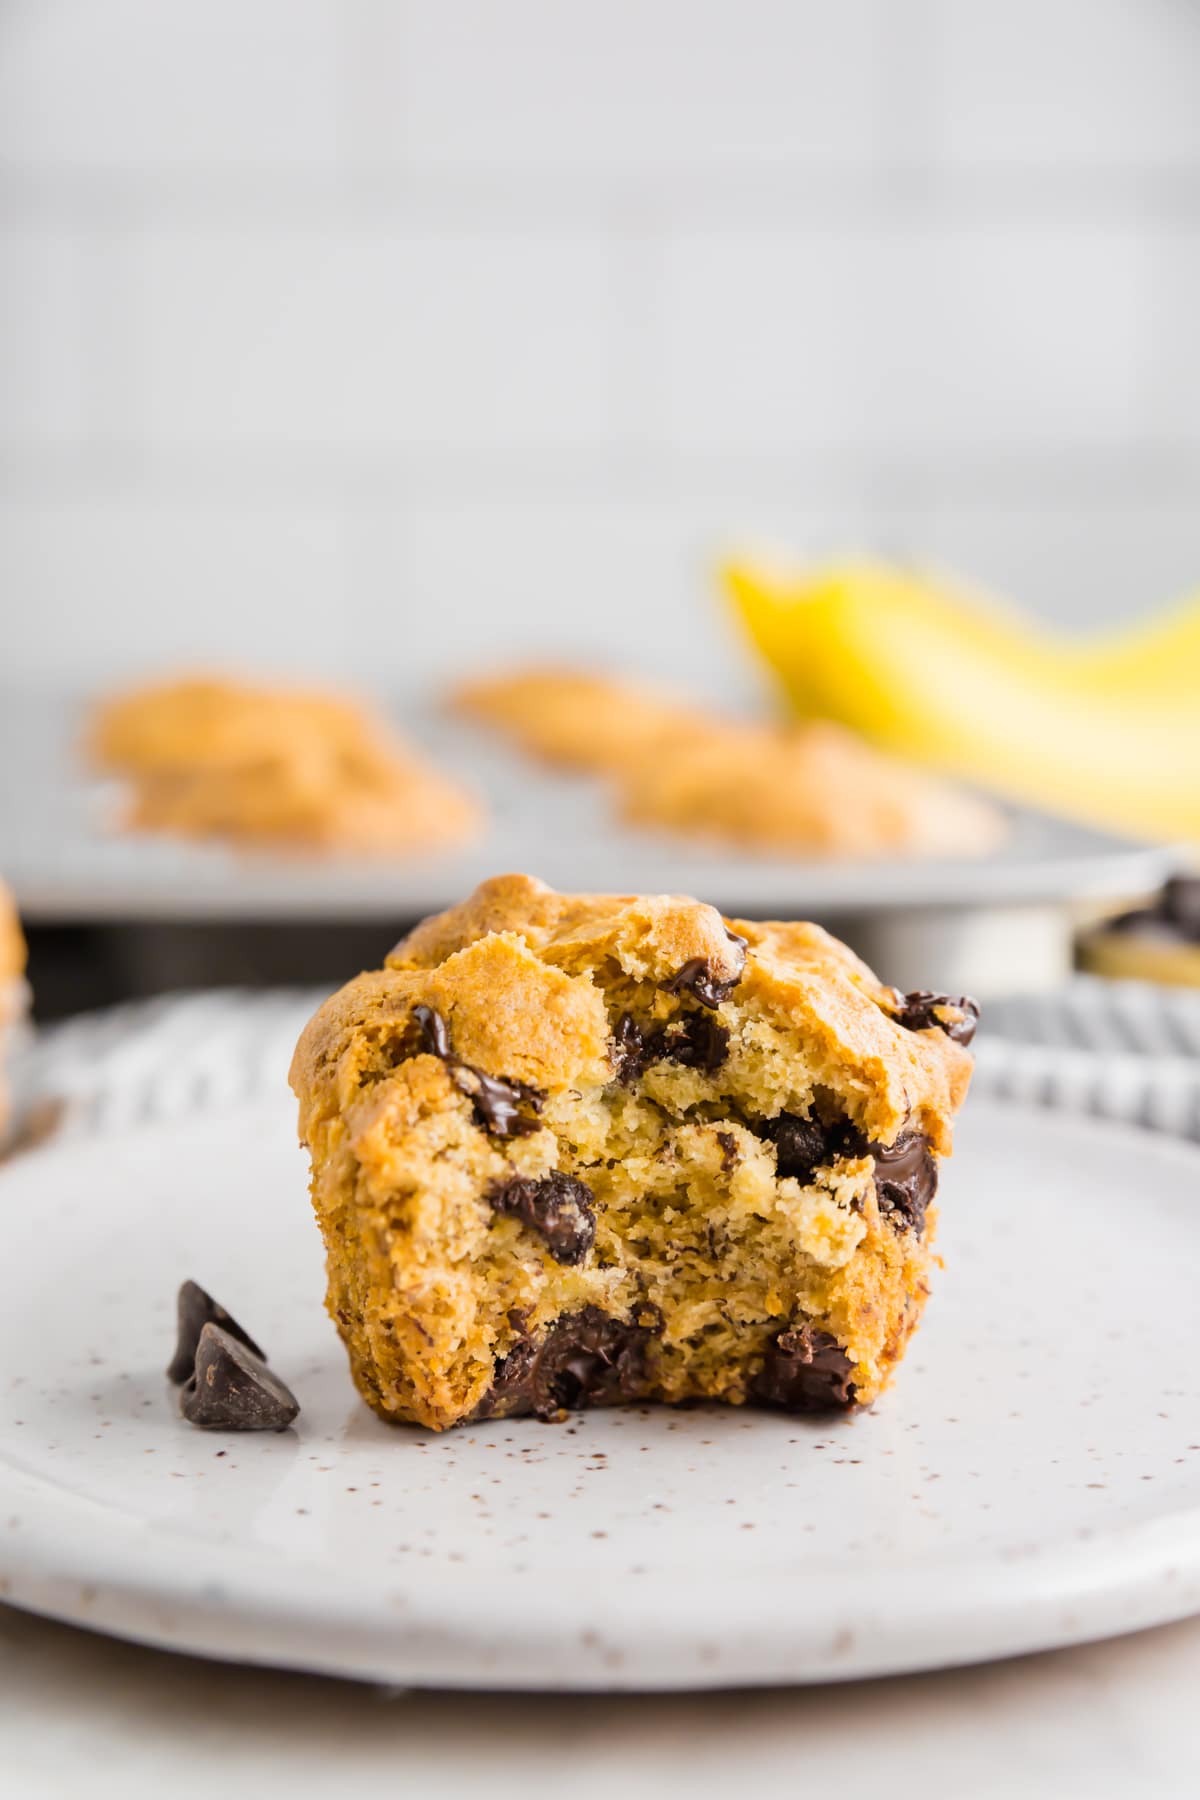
x,y
1033,1480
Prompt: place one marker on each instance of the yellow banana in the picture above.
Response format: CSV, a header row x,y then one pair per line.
x,y
1107,731
1162,657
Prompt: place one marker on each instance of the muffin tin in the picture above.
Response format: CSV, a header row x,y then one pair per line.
x,y
67,860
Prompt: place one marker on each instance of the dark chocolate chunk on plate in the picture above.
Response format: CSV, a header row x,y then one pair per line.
x,y
197,1309
232,1389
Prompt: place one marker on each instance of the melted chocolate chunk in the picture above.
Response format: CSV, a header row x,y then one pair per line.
x,y
700,978
232,1389
559,1207
196,1309
906,1180
905,1172
802,1146
585,1359
433,1036
696,1040
498,1103
922,1008
501,1107
805,1370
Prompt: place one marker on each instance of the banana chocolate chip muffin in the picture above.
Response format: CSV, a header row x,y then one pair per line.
x,y
578,1149
274,766
576,720
813,788
14,995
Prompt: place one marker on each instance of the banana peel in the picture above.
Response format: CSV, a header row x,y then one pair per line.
x,y
1104,730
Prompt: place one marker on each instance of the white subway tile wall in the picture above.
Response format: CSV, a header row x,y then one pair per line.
x,y
630,88
377,338
175,579
383,336
208,86
46,346
1099,84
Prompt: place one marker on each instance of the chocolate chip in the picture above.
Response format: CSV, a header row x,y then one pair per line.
x,y
498,1104
696,1040
501,1107
700,978
196,1309
584,1359
649,1316
804,1370
923,1008
559,1207
906,1179
232,1389
697,977
627,1050
433,1036
905,1172
802,1146
730,1156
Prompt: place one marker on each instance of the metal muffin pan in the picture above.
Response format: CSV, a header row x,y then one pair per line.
x,y
61,851
68,862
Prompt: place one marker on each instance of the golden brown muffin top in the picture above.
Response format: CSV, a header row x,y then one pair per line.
x,y
531,985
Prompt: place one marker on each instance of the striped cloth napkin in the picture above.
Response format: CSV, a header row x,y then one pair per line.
x,y
1117,1050
1124,1050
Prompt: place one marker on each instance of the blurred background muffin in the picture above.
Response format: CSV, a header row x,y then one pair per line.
x,y
1159,942
574,720
272,766
812,787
